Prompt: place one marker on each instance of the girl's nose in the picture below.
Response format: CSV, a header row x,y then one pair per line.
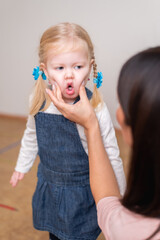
x,y
69,74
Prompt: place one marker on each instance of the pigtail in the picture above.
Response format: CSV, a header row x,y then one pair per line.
x,y
96,97
39,96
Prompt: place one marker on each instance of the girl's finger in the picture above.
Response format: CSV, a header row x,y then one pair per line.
x,y
21,176
14,179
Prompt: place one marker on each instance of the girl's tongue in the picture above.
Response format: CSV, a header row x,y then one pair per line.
x,y
70,89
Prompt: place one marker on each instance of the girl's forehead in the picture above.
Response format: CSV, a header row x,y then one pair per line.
x,y
70,45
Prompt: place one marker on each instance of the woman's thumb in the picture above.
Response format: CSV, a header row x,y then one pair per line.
x,y
82,93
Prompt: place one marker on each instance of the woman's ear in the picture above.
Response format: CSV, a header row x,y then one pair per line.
x,y
126,129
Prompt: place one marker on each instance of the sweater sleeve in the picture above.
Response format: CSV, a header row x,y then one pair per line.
x,y
118,222
111,146
29,147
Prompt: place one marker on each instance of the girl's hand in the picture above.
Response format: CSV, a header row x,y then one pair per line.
x,y
16,176
81,112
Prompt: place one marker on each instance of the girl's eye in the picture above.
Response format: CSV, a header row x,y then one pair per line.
x,y
59,68
78,67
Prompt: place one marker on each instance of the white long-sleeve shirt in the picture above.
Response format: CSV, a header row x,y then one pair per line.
x,y
29,147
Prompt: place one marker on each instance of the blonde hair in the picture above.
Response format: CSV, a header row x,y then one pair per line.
x,y
57,37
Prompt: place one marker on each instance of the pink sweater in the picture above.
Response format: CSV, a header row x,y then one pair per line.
x,y
118,223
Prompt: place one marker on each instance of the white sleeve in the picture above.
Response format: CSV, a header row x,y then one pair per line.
x,y
29,147
111,146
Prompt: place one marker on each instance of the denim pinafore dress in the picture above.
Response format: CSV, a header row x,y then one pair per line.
x,y
63,203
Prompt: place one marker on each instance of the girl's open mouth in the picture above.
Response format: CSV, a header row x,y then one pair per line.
x,y
70,89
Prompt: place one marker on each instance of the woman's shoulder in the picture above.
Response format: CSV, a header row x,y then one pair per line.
x,y
117,222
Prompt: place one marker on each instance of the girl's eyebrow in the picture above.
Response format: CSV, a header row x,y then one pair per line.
x,y
80,62
56,64
62,64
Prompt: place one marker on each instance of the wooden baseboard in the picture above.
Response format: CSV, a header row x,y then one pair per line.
x,y
10,116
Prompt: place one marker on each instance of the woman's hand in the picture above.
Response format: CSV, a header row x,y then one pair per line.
x,y
102,179
16,177
81,112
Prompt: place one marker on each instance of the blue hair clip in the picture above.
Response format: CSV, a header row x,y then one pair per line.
x,y
37,72
98,80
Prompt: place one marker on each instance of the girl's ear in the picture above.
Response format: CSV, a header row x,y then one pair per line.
x,y
91,63
43,67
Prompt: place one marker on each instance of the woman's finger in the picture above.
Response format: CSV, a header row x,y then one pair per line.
x,y
81,112
54,89
59,94
82,93
57,99
52,95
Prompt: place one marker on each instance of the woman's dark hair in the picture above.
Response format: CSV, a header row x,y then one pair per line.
x,y
139,96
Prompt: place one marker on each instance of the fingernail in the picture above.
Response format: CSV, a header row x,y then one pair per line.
x,y
53,86
47,90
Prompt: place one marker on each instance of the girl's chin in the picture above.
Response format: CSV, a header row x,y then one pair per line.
x,y
70,99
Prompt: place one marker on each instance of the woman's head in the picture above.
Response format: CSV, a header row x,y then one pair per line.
x,y
139,97
59,40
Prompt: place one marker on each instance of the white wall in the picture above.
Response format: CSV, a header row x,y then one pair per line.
x,y
118,28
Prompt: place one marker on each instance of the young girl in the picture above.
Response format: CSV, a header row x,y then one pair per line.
x,y
62,203
137,215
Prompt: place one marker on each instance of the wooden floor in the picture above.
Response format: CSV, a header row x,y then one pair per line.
x,y
15,203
